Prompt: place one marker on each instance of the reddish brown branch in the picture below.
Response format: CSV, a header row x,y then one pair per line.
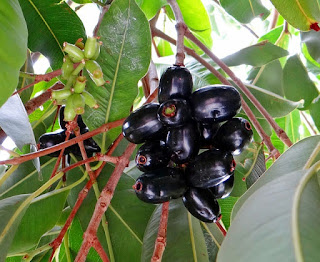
x,y
279,131
103,203
221,228
98,247
27,157
150,81
161,240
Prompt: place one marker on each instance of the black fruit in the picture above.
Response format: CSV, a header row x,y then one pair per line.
x,y
234,135
152,155
215,103
207,134
183,142
210,168
223,189
160,185
175,82
143,124
89,144
174,112
52,139
202,204
63,123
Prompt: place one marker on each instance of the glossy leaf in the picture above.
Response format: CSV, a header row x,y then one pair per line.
x,y
150,7
300,14
311,40
315,112
183,233
292,160
9,212
273,206
23,81
48,208
56,22
275,104
13,46
272,36
127,216
15,122
245,10
298,85
256,55
125,57
164,48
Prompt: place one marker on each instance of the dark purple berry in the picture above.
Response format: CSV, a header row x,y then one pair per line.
x,y
143,124
51,139
89,144
63,123
234,135
152,155
215,103
210,168
207,134
160,185
174,112
202,204
223,189
175,82
183,142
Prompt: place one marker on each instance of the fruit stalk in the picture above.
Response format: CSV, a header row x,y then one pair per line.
x,y
162,234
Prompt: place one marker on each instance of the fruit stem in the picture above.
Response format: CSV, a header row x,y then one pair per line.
x,y
221,228
160,244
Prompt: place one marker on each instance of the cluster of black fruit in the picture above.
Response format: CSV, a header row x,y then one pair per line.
x,y
173,133
59,136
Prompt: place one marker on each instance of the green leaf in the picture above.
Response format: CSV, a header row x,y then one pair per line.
x,y
13,46
164,48
315,112
23,81
125,57
276,105
272,36
245,10
150,7
298,85
256,55
127,216
288,204
184,233
48,208
270,77
300,14
311,39
292,160
9,208
56,22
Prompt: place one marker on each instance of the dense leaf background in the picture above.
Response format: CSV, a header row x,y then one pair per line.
x,y
272,213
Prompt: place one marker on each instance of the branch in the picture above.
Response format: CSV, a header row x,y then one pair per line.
x,y
150,81
103,203
161,240
30,156
279,131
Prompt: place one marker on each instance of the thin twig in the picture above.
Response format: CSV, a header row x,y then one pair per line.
x,y
162,234
103,203
98,247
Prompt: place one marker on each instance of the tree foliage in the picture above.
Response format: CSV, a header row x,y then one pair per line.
x,y
273,211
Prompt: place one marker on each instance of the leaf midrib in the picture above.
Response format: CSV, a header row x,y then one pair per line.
x,y
46,24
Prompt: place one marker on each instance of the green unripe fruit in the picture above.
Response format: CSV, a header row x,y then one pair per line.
x,y
77,103
61,94
69,112
89,100
97,53
60,102
79,68
74,52
67,67
90,47
95,72
80,84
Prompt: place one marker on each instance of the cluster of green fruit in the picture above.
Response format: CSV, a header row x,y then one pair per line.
x,y
73,95
175,130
